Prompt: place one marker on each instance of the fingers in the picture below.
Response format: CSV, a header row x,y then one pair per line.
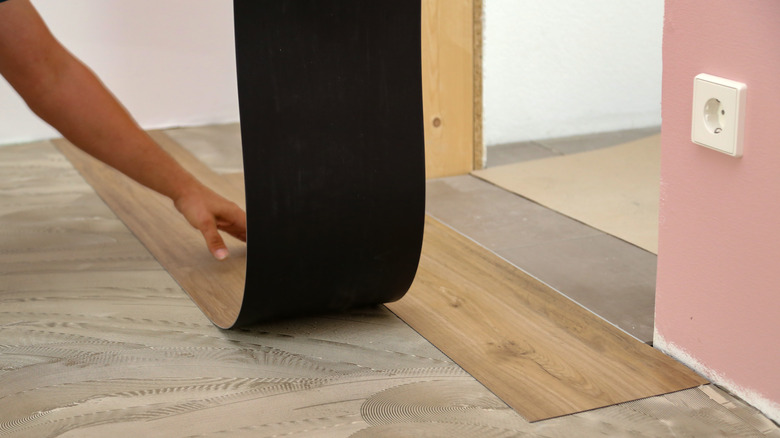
x,y
238,233
214,241
233,222
208,212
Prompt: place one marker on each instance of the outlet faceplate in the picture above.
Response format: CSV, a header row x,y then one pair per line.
x,y
718,114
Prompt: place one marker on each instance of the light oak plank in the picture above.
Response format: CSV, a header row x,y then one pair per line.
x,y
541,353
236,179
216,287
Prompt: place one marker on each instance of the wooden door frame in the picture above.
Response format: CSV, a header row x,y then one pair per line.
x,y
477,39
452,86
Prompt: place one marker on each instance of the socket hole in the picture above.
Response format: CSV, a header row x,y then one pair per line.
x,y
714,116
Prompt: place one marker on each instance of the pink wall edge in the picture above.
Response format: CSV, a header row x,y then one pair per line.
x,y
718,290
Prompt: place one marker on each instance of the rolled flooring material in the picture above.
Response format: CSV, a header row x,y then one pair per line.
x,y
330,95
331,106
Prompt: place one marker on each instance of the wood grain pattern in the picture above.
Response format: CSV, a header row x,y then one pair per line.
x,y
541,353
216,287
96,339
448,86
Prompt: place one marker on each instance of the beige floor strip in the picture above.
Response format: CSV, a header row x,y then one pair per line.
x,y
614,189
542,354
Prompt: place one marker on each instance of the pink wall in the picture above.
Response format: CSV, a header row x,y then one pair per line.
x,y
718,292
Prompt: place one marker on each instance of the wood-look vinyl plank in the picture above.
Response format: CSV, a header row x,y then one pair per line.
x,y
217,146
216,287
236,179
541,353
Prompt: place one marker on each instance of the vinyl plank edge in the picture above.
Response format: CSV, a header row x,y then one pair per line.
x,y
630,357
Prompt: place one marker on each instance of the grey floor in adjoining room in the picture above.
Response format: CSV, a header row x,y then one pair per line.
x,y
611,277
535,149
96,339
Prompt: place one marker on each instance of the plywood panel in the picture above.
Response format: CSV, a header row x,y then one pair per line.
x,y
448,86
543,354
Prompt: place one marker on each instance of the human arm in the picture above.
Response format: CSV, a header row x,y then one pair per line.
x,y
67,95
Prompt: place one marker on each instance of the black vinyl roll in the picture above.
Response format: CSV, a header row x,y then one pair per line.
x,y
330,98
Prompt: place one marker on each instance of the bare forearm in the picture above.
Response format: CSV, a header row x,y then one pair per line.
x,y
95,121
67,95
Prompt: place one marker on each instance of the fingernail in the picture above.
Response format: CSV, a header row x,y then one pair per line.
x,y
221,254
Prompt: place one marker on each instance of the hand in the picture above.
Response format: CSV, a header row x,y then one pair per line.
x,y
66,94
208,212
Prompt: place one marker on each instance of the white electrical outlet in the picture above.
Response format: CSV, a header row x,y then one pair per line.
x,y
718,114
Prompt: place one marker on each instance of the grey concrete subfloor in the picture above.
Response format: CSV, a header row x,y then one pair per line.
x,y
97,340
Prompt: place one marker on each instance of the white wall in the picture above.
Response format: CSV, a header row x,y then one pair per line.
x,y
555,68
170,62
551,68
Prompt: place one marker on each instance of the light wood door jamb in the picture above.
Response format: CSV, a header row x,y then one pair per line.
x,y
452,86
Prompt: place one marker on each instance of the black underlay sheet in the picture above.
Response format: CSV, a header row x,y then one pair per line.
x,y
330,98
